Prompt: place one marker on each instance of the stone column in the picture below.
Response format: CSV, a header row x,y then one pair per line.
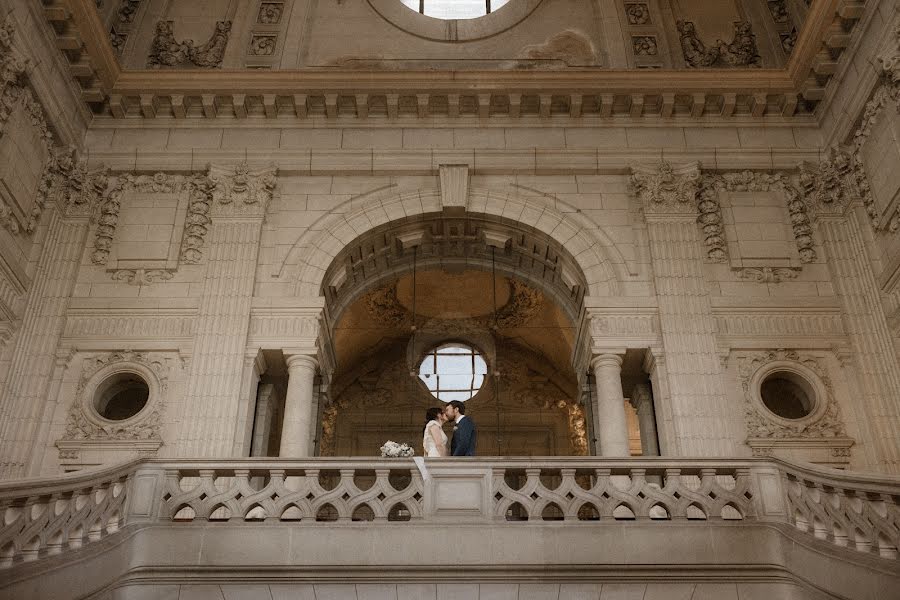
x,y
699,407
264,420
642,401
831,188
610,423
299,403
238,199
254,367
655,365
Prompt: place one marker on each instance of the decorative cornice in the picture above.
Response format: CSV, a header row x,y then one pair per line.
x,y
664,189
756,92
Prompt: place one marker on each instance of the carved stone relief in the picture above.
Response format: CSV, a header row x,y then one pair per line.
x,y
168,52
824,421
664,189
240,190
741,51
83,422
767,274
270,13
142,276
713,184
644,45
637,13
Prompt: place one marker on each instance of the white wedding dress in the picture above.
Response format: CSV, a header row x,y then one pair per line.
x,y
431,449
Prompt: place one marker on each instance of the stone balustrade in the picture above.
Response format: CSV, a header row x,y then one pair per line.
x,y
49,516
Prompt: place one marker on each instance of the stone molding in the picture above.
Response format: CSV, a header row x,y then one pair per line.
x,y
825,420
84,423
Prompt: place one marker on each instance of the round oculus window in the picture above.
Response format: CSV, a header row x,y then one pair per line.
x,y
788,395
454,9
453,372
121,396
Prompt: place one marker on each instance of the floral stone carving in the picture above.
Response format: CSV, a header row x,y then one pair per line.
x,y
241,191
741,51
664,189
168,52
824,421
83,423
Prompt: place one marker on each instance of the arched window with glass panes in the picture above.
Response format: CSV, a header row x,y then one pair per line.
x,y
454,9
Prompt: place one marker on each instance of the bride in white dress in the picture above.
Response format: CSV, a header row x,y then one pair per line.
x,y
434,440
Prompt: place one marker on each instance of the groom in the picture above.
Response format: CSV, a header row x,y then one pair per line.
x,y
463,442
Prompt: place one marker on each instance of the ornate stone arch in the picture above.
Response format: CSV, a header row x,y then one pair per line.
x,y
601,263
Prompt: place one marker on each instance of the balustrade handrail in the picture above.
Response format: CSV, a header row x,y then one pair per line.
x,y
43,516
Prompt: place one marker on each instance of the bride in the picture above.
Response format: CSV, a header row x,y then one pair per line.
x,y
434,441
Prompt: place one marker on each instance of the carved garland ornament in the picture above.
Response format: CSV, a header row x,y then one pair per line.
x,y
168,52
83,421
60,164
241,191
824,421
664,189
710,211
740,52
840,175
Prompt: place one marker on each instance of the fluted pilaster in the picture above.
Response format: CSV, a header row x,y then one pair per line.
x,y
867,326
214,385
25,394
696,390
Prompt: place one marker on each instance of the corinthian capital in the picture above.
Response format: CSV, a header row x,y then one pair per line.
x,y
240,191
664,189
834,182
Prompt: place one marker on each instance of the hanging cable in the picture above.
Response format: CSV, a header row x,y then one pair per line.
x,y
497,386
412,372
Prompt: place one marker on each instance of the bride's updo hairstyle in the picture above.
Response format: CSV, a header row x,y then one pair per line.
x,y
431,415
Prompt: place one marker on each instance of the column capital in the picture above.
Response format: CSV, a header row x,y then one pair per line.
x,y
610,358
300,361
667,190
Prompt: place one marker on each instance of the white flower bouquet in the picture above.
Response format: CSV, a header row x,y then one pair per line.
x,y
393,449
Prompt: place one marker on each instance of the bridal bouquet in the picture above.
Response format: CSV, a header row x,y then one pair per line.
x,y
394,450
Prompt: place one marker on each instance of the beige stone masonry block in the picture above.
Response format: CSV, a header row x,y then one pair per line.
x,y
607,137
742,288
538,591
535,137
165,290
622,591
655,137
376,591
275,289
579,591
456,591
335,591
766,137
401,161
416,591
825,289
711,137
372,138
346,161
358,185
140,138
251,138
452,157
793,289
504,161
498,591
427,138
808,137
604,184
571,161
318,139
195,138
296,591
95,139
479,138
714,591
548,184
114,290
200,592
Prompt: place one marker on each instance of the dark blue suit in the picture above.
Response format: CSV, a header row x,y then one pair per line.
x,y
463,442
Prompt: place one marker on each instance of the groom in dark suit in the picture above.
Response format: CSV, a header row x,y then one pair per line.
x,y
463,441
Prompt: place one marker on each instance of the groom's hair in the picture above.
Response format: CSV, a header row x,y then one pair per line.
x,y
458,405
